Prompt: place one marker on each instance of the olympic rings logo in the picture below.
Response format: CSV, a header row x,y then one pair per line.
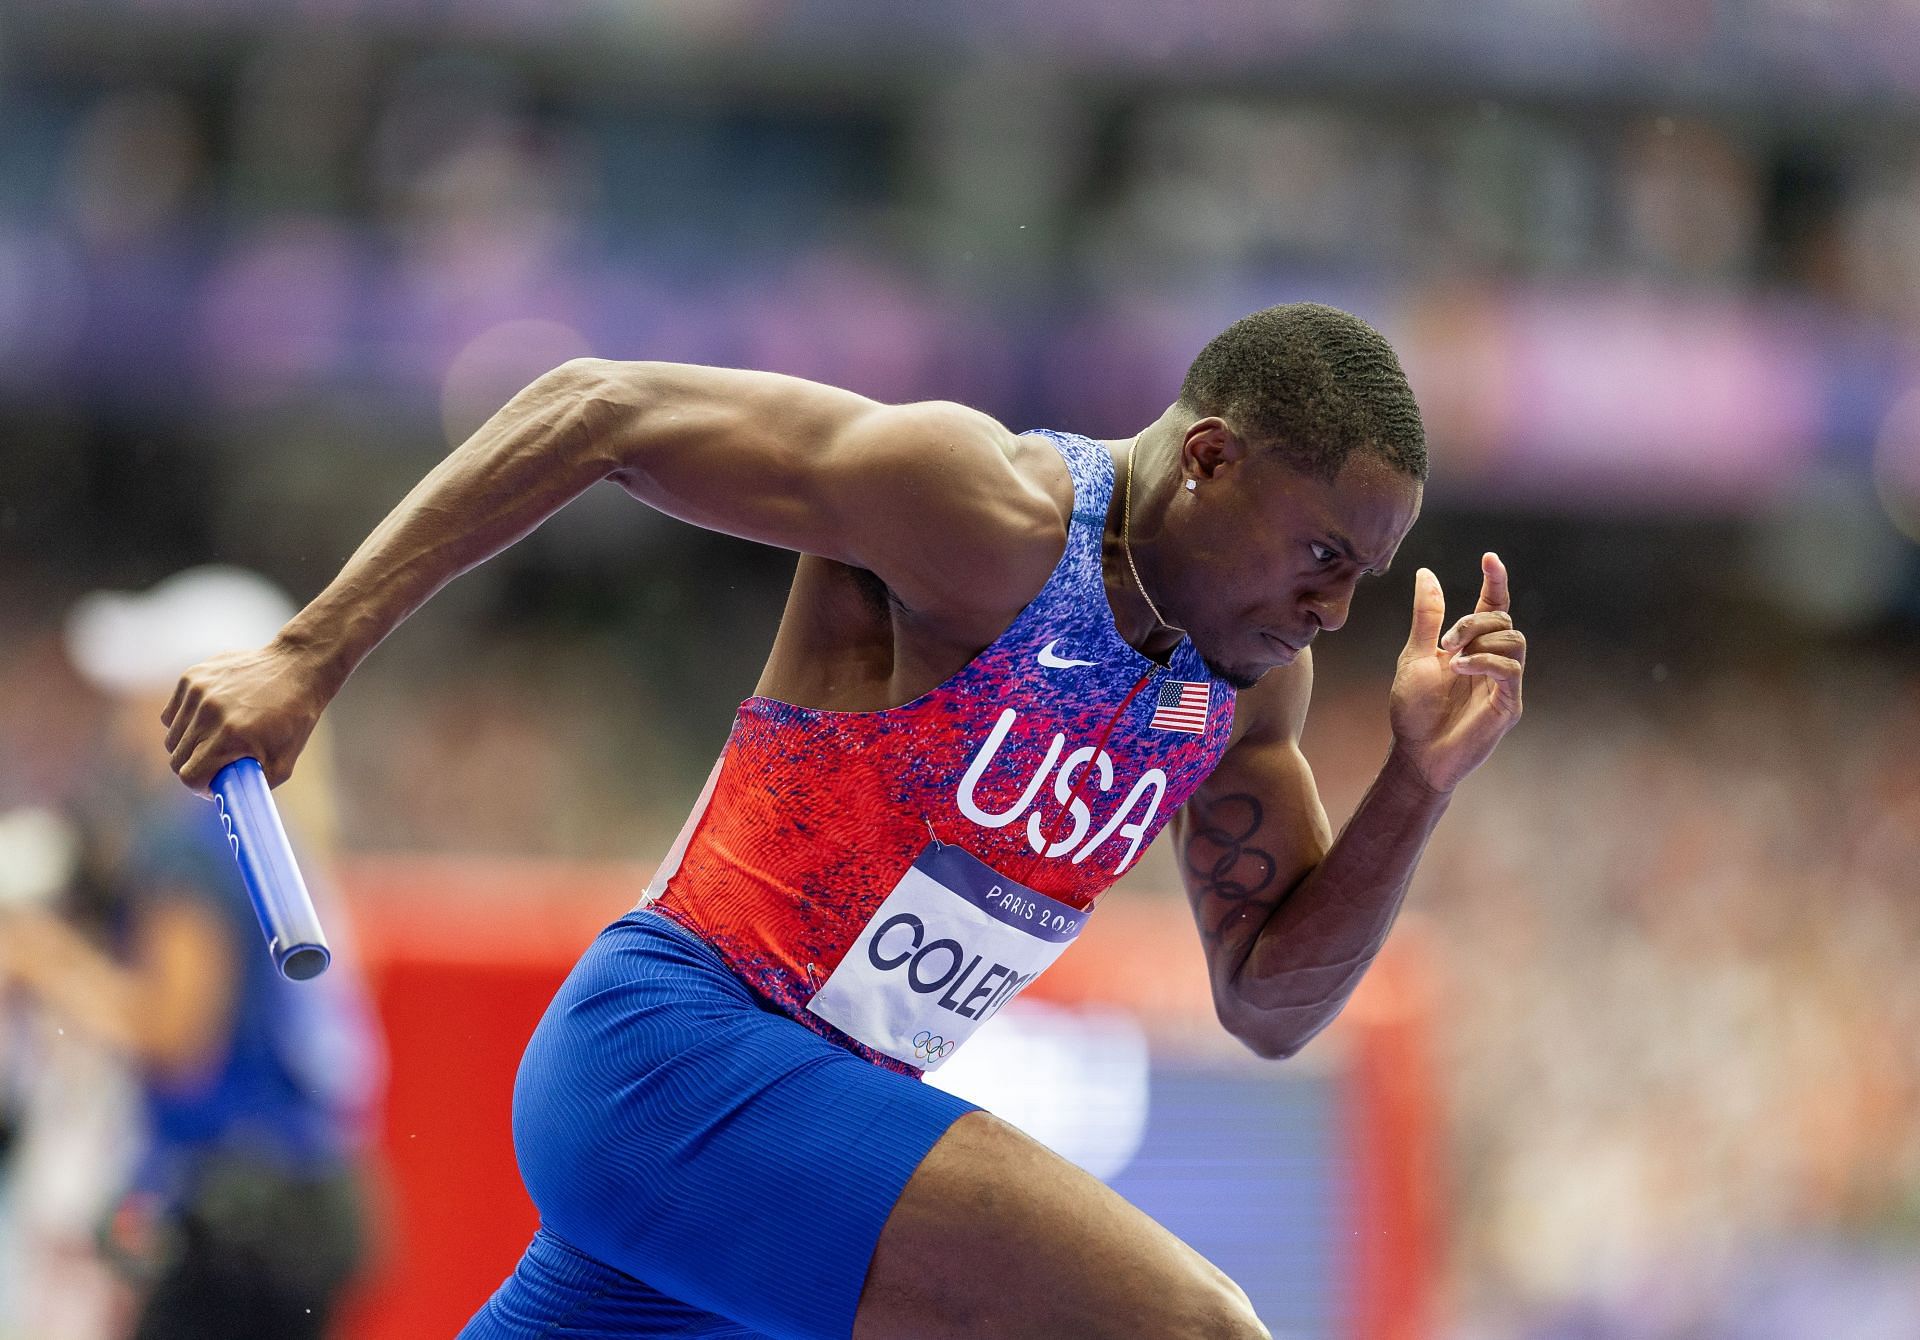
x,y
932,1047
1218,852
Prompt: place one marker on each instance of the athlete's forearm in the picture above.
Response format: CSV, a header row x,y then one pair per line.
x,y
523,465
1318,940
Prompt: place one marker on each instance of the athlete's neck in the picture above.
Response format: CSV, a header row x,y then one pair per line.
x,y
1129,551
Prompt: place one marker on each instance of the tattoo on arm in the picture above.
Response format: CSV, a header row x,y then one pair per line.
x,y
1237,877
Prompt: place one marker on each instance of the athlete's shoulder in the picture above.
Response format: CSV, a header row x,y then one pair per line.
x,y
920,427
969,454
982,512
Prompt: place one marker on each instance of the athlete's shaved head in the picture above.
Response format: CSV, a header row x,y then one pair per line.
x,y
1312,384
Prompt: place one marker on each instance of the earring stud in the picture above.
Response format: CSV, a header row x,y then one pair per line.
x,y
1192,485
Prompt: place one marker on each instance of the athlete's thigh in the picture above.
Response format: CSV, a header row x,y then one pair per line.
x,y
996,1235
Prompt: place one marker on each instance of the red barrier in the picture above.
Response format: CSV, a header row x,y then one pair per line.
x,y
1394,1132
463,956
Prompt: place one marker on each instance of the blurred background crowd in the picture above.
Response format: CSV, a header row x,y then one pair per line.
x,y
1654,270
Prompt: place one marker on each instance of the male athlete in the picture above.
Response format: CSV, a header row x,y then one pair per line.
x,y
1006,662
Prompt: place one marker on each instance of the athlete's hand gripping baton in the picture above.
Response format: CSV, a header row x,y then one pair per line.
x,y
279,894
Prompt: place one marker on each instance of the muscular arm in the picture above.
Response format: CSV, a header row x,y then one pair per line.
x,y
913,493
1290,916
1291,920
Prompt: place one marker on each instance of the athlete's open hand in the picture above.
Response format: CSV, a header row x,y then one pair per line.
x,y
247,704
1455,696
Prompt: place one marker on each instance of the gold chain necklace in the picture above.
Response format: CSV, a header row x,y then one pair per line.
x,y
1126,545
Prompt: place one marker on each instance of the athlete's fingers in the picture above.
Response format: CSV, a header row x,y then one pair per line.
x,y
1502,672
213,754
187,723
277,768
1472,626
1493,584
191,733
1487,663
1500,669
1429,612
174,703
1508,642
189,730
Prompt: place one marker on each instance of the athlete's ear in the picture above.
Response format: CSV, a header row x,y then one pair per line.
x,y
1209,444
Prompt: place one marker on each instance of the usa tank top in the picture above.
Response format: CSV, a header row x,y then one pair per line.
x,y
1024,786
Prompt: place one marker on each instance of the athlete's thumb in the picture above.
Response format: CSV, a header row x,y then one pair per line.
x,y
1429,612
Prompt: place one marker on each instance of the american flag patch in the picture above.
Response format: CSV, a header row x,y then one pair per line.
x,y
1182,705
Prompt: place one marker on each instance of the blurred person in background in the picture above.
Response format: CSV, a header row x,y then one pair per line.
x,y
69,1106
257,1090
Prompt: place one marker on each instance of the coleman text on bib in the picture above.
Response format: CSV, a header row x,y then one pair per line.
x,y
950,945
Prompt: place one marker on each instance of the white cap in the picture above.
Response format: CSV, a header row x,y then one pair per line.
x,y
128,642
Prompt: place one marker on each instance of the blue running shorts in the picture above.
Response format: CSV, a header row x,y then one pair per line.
x,y
702,1164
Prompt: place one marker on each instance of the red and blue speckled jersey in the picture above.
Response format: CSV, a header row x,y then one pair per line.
x,y
1054,756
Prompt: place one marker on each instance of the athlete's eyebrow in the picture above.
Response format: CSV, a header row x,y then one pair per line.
x,y
1345,546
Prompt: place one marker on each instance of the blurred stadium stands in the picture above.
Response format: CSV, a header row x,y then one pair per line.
x,y
1655,271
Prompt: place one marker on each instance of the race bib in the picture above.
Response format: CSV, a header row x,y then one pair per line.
x,y
951,944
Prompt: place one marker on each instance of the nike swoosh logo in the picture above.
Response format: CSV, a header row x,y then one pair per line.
x,y
1054,661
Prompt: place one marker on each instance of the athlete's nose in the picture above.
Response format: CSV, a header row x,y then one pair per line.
x,y
1330,610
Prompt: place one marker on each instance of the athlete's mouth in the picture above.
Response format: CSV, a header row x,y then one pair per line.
x,y
1281,643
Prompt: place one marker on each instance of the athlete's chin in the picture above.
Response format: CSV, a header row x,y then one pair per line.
x,y
1239,676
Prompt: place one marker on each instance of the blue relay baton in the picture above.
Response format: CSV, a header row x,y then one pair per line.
x,y
279,894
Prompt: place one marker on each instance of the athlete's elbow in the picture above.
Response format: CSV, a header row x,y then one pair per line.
x,y
1270,1046
597,383
1265,1033
572,381
599,398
